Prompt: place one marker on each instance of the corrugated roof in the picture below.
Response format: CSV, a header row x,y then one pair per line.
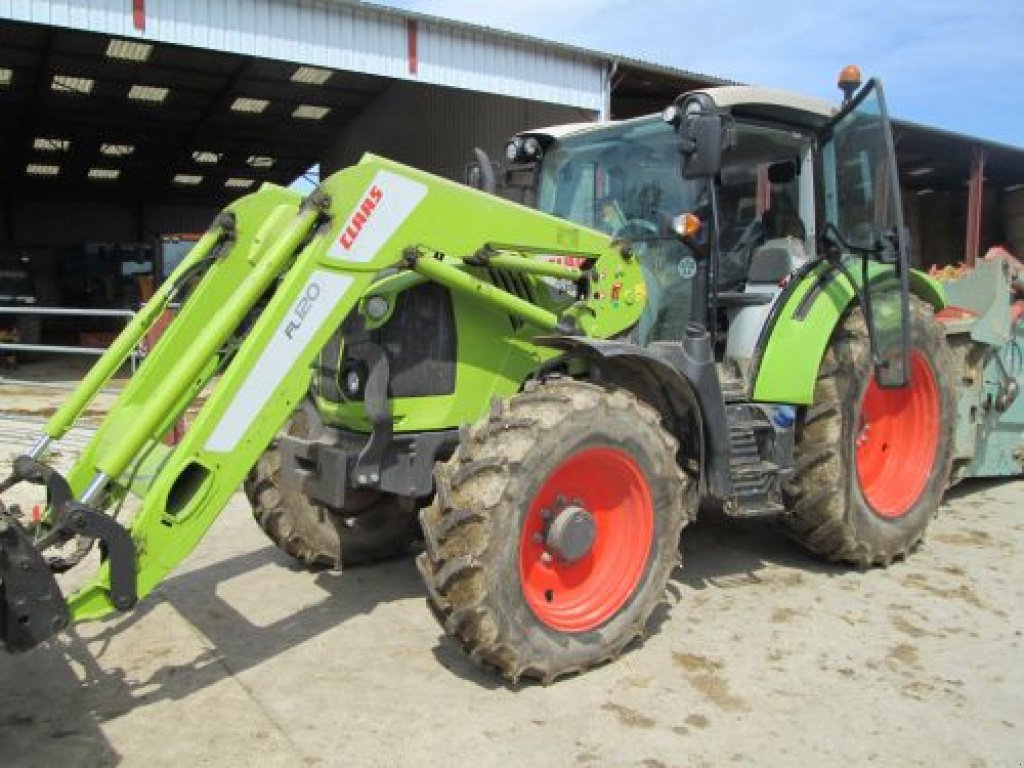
x,y
591,53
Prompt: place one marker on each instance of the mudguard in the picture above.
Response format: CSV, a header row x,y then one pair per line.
x,y
793,340
684,374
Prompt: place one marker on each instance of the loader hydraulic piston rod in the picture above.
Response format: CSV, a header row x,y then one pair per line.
x,y
41,446
516,263
95,488
450,276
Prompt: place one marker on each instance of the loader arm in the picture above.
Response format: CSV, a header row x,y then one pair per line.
x,y
277,275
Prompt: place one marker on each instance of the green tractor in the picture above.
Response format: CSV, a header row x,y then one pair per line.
x,y
712,306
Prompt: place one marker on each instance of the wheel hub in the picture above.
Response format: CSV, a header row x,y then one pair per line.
x,y
586,539
897,440
571,534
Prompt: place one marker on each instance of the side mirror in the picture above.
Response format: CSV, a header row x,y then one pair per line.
x,y
700,136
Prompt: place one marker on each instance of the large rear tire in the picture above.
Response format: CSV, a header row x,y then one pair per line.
x,y
872,463
555,528
376,527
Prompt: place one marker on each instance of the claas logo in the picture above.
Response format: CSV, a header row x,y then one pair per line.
x,y
360,217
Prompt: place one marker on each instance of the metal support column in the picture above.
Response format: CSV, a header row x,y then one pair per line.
x,y
975,201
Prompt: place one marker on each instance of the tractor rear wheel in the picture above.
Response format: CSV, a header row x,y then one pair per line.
x,y
554,529
377,526
872,463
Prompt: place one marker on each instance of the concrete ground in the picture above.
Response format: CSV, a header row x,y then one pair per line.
x,y
767,657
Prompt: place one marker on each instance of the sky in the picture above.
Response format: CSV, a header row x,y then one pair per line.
x,y
957,65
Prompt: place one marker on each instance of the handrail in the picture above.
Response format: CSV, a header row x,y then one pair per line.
x,y
61,349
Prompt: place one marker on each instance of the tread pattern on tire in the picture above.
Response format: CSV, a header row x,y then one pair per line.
x,y
483,480
315,536
818,496
280,523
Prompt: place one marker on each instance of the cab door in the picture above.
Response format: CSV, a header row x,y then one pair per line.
x,y
863,228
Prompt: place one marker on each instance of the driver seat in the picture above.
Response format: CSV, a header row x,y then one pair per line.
x,y
770,264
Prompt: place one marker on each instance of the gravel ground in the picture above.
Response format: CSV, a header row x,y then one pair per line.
x,y
766,657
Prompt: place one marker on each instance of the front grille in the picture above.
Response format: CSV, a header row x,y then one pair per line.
x,y
418,340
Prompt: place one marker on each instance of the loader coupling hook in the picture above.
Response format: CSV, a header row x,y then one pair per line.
x,y
32,607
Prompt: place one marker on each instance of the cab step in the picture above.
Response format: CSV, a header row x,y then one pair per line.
x,y
754,477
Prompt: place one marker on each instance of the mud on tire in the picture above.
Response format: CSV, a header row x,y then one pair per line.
x,y
377,526
828,510
474,529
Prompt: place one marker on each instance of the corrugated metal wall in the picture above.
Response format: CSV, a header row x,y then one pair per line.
x,y
938,224
37,223
437,128
342,35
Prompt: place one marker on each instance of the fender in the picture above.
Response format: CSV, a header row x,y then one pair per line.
x,y
683,374
794,339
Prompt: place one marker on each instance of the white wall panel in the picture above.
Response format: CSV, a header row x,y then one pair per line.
x,y
341,35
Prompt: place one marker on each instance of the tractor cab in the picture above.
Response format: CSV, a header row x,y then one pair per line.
x,y
727,197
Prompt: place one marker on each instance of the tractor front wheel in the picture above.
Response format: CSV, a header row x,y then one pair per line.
x,y
375,527
555,528
872,463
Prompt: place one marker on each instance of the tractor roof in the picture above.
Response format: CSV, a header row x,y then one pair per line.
x,y
741,100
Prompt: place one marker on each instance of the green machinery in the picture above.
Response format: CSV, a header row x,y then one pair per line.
x,y
985,330
713,306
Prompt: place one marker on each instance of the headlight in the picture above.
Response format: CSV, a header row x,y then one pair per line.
x,y
377,307
513,150
523,150
672,115
352,382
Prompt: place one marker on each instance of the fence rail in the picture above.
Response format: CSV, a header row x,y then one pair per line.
x,y
67,311
61,349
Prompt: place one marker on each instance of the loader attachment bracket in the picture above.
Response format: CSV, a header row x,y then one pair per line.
x,y
367,469
32,608
118,548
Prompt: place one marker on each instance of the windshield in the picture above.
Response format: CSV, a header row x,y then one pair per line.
x,y
625,180
607,177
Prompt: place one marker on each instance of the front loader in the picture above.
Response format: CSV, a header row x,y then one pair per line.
x,y
709,307
261,294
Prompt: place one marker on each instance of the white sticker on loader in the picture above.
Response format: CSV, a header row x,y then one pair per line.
x,y
385,204
322,293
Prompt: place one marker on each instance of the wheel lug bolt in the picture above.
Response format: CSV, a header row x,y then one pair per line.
x,y
545,557
560,501
538,538
545,514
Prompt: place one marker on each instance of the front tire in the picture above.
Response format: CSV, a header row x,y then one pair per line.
x,y
554,530
871,463
379,527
